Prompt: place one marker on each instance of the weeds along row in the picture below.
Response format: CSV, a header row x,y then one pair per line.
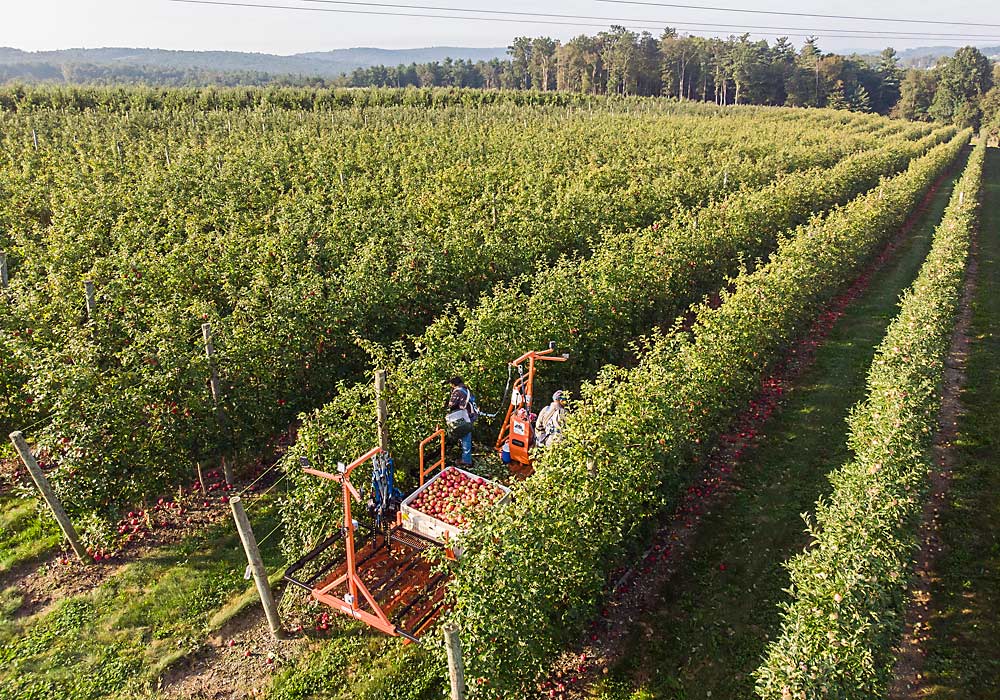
x,y
295,236
592,308
849,589
534,571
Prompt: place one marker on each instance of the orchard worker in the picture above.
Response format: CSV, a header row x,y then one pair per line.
x,y
462,413
551,419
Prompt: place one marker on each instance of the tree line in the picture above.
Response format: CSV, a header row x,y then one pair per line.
x,y
735,70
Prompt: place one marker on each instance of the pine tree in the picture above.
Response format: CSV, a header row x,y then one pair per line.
x,y
860,100
836,99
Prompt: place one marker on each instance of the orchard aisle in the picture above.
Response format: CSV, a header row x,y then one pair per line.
x,y
964,629
715,616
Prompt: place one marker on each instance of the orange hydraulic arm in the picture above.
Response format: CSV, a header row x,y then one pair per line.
x,y
438,435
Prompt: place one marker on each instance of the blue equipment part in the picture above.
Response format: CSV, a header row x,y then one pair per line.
x,y
385,498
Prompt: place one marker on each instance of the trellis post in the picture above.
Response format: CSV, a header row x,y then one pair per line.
x,y
456,669
256,566
24,452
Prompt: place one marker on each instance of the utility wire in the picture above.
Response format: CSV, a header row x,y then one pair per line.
x,y
232,3
37,423
658,23
264,539
266,491
796,14
262,475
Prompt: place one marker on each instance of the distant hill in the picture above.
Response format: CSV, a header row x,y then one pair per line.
x,y
927,56
51,65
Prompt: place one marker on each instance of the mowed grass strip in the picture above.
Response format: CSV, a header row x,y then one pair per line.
x,y
26,533
716,615
963,661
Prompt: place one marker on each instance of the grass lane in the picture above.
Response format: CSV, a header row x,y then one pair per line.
x,y
112,641
26,534
715,617
962,660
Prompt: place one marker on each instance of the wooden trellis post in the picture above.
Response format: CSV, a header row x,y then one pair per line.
x,y
24,452
256,566
456,669
382,410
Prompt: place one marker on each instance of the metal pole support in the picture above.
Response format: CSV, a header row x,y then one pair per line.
x,y
456,669
4,277
48,494
256,567
88,290
382,410
213,383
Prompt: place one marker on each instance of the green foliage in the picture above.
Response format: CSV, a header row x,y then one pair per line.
x,y
295,235
964,607
849,588
79,98
962,81
916,95
613,63
710,624
534,571
591,308
990,107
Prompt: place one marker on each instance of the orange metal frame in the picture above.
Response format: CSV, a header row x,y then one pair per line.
x,y
521,397
357,590
396,569
439,464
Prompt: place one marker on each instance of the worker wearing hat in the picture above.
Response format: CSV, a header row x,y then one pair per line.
x,y
551,419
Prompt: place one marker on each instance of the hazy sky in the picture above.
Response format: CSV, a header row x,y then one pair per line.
x,y
54,24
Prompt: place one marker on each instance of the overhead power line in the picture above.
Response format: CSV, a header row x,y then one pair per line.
x,y
648,3
647,24
659,23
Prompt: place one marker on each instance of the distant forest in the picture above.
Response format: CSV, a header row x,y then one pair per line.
x,y
725,71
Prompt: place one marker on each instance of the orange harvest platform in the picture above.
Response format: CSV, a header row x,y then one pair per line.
x,y
379,576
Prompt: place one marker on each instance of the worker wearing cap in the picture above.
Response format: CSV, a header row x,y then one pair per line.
x,y
551,419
